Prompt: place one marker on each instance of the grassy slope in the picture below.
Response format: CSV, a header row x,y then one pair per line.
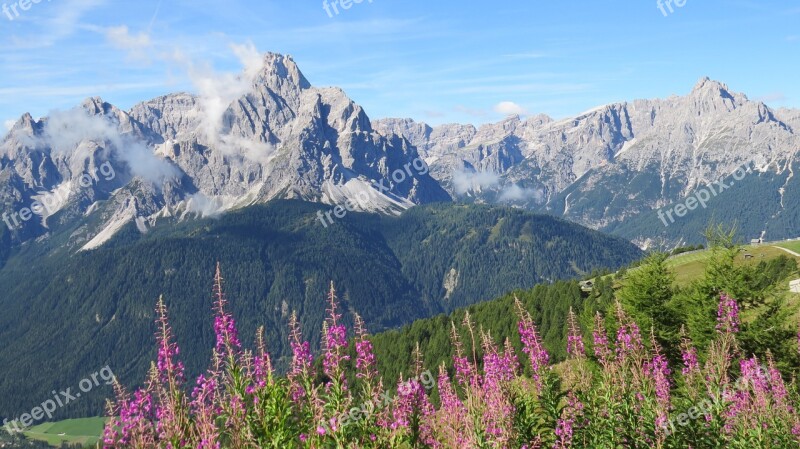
x,y
690,266
85,431
792,246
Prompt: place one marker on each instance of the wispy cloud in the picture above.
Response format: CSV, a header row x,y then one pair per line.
x,y
509,108
514,193
465,181
522,56
538,88
472,112
55,22
774,97
78,90
135,45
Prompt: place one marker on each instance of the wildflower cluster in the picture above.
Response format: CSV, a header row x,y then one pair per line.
x,y
620,393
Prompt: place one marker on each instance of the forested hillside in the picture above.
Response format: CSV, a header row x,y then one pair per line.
x,y
710,365
648,293
276,259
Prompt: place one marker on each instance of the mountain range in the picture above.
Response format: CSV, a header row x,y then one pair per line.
x,y
273,135
611,168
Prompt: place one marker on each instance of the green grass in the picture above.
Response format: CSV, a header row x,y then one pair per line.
x,y
792,246
85,431
689,267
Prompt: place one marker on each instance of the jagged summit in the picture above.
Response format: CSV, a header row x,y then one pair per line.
x,y
277,66
189,155
705,83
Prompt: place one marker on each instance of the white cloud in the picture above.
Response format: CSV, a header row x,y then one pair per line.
x,y
201,204
516,193
66,131
135,45
62,20
9,124
509,108
465,181
216,91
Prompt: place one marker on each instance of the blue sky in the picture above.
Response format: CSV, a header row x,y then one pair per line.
x,y
434,61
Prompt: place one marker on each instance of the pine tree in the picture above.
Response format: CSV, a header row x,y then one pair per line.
x,y
647,295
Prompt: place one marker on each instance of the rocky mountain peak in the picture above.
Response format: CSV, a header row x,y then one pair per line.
x,y
96,105
706,83
281,71
710,95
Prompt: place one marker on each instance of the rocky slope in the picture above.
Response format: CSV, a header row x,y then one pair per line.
x,y
618,162
183,155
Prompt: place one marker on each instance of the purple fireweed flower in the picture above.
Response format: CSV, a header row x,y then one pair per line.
x,y
629,340
532,344
575,347
205,410
499,370
498,367
466,373
365,354
411,405
334,342
757,379
134,426
170,370
689,355
727,315
690,363
779,392
453,414
602,347
629,337
302,360
659,370
262,363
228,345
565,426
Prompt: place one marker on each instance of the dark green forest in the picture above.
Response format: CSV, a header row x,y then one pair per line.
x,y
65,315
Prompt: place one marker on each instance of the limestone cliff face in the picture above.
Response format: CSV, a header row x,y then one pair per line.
x,y
183,155
613,162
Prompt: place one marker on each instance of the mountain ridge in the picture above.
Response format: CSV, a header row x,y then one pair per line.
x,y
269,133
577,167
